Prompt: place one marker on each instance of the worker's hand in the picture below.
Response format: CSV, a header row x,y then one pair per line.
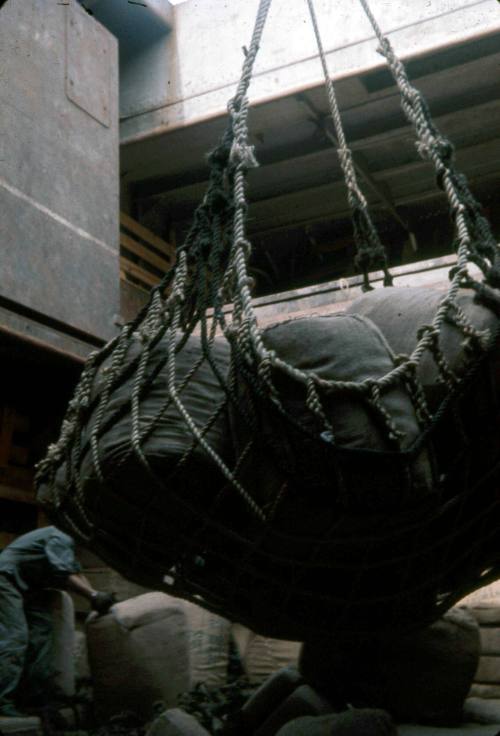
x,y
102,602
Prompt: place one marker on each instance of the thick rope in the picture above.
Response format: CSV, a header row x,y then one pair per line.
x,y
188,298
211,271
371,254
475,240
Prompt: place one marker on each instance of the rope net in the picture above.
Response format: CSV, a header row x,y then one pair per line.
x,y
298,493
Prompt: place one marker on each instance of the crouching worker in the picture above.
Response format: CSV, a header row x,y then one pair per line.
x,y
44,558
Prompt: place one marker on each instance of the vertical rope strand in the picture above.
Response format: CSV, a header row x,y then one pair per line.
x,y
370,250
475,239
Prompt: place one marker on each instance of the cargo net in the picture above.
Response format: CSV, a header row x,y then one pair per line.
x,y
328,473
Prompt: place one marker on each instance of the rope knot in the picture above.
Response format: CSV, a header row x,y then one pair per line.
x,y
384,48
243,155
424,151
245,246
428,330
78,403
248,281
463,276
445,149
401,359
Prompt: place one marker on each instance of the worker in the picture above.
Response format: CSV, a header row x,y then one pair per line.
x,y
43,558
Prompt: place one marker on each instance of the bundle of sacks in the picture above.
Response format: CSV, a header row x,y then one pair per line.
x,y
153,647
334,543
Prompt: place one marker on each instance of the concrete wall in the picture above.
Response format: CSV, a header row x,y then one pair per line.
x,y
203,54
58,172
142,30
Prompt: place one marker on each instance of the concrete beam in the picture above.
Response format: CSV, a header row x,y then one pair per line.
x,y
204,51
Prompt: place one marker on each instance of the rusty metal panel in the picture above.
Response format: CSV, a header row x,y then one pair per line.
x,y
88,84
59,181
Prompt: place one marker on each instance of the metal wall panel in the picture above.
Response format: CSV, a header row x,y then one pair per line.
x,y
59,182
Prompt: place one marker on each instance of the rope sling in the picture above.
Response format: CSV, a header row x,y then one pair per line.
x,y
273,530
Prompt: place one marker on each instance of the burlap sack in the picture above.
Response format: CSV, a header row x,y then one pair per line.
x,y
261,656
128,491
138,655
343,348
208,645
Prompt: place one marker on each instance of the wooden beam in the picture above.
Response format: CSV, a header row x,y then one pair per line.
x,y
147,235
132,269
162,263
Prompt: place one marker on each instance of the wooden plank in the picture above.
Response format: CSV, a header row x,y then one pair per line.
x,y
10,493
130,224
162,263
137,272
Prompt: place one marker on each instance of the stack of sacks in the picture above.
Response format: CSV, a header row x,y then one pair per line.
x,y
209,646
487,678
483,703
484,604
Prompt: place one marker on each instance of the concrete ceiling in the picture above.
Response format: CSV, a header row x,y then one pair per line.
x,y
299,184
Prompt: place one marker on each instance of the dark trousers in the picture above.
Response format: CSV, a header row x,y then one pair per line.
x,y
25,645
